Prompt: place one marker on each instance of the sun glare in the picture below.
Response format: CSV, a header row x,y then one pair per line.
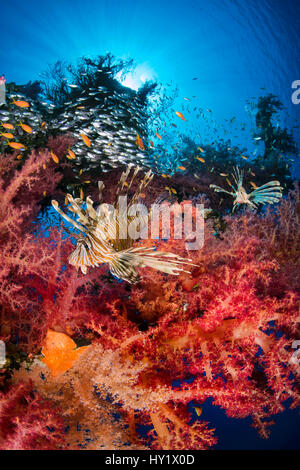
x,y
138,77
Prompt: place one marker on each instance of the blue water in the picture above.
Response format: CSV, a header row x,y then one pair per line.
x,y
233,48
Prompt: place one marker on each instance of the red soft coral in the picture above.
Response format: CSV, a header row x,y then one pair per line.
x,y
224,332
28,422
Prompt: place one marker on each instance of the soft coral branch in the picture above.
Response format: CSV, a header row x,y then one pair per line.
x,y
28,422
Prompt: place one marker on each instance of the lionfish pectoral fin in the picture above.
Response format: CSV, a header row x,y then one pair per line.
x,y
218,189
272,184
162,261
268,193
122,268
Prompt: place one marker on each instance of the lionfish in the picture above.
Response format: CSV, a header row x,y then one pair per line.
x,y
100,242
267,193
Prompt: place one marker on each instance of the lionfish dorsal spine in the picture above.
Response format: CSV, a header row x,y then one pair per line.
x,y
101,186
67,218
238,176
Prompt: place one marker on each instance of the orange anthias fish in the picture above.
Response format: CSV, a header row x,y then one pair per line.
x,y
179,114
7,135
151,143
26,128
60,353
7,125
21,104
181,168
158,135
85,139
139,142
16,145
200,159
71,155
54,157
171,190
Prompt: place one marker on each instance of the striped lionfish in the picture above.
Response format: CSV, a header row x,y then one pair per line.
x,y
267,193
99,241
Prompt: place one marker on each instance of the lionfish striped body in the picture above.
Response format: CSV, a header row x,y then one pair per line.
x,y
100,242
267,193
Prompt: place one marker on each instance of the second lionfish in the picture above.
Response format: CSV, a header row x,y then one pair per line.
x,y
99,241
267,193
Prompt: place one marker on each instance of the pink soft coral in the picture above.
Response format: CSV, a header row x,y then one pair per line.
x,y
21,191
